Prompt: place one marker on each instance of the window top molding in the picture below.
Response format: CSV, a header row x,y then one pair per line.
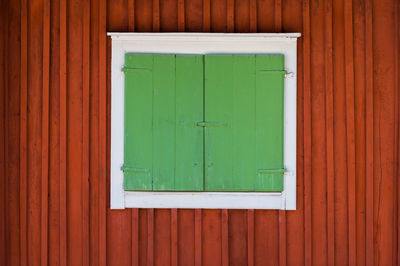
x,y
195,37
203,43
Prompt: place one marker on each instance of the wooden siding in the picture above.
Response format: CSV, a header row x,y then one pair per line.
x,y
55,132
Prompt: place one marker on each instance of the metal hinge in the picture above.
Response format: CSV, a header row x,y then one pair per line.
x,y
279,72
134,169
272,171
134,69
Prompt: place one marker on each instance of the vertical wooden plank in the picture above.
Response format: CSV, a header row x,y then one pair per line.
x,y
63,130
169,15
349,70
198,224
74,131
211,237
218,152
34,148
162,254
188,111
396,173
181,15
23,132
307,132
266,237
156,15
186,236
174,237
318,142
282,238
163,109
360,125
140,109
269,129
225,237
369,135
230,15
135,236
253,15
86,133
193,15
3,156
45,132
94,134
218,15
150,237
242,18
250,237
341,203
237,237
102,135
330,174
131,15
206,15
265,16
278,15
6,251
384,66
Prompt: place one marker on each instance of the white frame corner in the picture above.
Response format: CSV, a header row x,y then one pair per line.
x,y
203,43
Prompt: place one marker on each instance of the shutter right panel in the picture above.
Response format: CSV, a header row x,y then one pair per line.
x,y
244,122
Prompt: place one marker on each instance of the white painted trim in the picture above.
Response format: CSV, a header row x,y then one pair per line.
x,y
203,43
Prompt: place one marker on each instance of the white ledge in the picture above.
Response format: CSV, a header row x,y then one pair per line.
x,y
204,36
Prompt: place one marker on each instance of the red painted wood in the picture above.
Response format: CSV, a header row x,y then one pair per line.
x,y
23,134
63,129
45,134
3,74
55,138
307,182
330,148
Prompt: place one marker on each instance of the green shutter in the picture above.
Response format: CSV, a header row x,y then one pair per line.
x,y
234,133
163,103
244,122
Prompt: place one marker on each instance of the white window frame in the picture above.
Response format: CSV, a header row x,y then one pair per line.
x,y
203,43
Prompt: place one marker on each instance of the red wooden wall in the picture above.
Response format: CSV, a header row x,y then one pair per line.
x,y
55,138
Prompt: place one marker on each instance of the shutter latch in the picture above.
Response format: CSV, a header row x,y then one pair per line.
x,y
289,75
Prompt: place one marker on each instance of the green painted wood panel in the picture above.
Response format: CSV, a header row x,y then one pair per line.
x,y
163,102
138,122
269,122
244,112
189,110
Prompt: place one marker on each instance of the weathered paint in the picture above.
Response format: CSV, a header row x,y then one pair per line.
x,y
348,138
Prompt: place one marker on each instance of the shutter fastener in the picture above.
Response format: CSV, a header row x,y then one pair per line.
x,y
211,124
134,169
289,75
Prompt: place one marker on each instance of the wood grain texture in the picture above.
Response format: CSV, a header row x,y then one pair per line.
x,y
23,134
55,126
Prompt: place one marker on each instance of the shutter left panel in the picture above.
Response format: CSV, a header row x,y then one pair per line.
x,y
163,103
138,122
